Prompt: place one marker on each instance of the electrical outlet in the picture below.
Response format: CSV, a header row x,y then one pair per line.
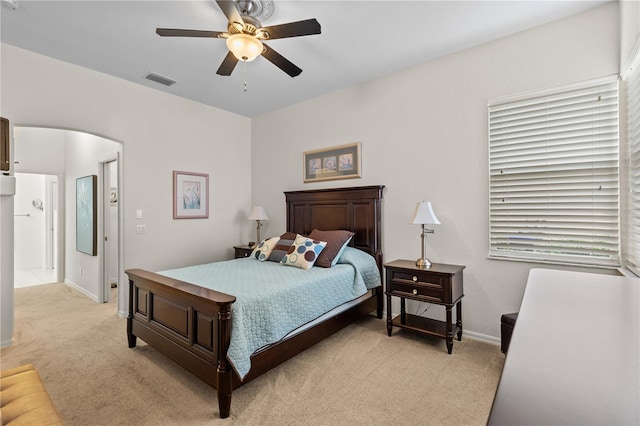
x,y
81,271
141,229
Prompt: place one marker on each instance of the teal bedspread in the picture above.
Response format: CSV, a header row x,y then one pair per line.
x,y
273,299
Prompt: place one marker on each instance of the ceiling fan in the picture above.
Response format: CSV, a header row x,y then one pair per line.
x,y
245,35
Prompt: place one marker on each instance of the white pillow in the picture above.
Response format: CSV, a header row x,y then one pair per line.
x,y
335,260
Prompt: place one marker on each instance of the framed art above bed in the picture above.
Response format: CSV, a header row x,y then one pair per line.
x,y
337,162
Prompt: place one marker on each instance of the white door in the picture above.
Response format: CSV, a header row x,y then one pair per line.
x,y
51,207
54,228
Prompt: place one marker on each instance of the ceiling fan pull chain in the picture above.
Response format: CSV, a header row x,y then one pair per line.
x,y
245,75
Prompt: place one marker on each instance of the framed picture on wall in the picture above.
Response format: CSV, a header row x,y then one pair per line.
x,y
337,162
87,215
190,195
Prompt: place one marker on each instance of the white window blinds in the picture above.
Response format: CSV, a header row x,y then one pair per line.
x,y
553,160
632,85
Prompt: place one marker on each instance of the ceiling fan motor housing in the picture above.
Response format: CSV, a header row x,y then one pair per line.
x,y
257,9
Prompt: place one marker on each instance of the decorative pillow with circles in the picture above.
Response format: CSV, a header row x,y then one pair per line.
x,y
303,253
264,249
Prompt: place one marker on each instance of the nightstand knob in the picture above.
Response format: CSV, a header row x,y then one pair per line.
x,y
415,279
415,291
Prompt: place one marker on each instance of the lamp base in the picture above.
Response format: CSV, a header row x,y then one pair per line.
x,y
423,263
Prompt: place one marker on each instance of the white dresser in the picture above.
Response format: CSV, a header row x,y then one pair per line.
x,y
574,357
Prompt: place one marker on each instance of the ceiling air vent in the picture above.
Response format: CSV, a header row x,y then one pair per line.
x,y
159,79
10,4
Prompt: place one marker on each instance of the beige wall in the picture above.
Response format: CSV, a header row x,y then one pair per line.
x,y
160,133
424,135
83,153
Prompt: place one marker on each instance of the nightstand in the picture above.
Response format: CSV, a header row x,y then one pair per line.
x,y
441,285
243,251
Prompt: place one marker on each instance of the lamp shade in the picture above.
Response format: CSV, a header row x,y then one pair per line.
x,y
258,213
424,214
245,47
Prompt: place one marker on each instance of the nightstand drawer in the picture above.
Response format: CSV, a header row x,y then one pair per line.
x,y
416,290
420,278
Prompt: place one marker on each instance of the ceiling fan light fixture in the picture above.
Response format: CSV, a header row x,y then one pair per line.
x,y
245,47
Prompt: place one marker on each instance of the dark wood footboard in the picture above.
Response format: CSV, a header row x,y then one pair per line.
x,y
192,326
189,324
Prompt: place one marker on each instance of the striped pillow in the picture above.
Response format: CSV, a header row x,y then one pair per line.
x,y
282,247
264,249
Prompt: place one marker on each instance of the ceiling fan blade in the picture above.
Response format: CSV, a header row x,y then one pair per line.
x,y
174,32
230,10
280,61
227,65
293,29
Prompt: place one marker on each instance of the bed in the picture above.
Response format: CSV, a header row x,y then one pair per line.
x,y
193,325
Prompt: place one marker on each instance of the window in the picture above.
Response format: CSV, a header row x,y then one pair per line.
x,y
553,160
631,81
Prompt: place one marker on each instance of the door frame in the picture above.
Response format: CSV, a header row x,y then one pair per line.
x,y
104,294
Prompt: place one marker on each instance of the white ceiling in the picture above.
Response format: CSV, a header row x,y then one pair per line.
x,y
360,40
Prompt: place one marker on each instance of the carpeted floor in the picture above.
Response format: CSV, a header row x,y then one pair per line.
x,y
359,376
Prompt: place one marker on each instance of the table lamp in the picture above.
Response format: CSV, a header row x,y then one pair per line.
x,y
424,215
258,213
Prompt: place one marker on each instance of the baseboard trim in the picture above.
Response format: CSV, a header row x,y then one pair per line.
x,y
7,343
481,337
81,290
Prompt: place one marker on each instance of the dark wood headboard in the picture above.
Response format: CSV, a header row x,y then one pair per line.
x,y
357,209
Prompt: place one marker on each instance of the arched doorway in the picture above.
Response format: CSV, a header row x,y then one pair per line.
x,y
71,155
